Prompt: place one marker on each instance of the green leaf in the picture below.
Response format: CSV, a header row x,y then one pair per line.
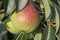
x,y
57,20
47,8
20,36
0,4
5,5
59,3
58,34
55,1
57,11
58,37
11,7
23,36
49,33
3,31
20,4
38,36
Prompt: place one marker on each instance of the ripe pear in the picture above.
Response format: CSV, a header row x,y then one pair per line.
x,y
26,19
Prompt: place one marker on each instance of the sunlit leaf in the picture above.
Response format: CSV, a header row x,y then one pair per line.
x,y
37,0
57,20
47,8
41,5
38,36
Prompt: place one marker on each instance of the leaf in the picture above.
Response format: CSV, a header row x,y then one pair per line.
x,y
20,36
10,7
58,34
20,4
36,0
23,36
0,4
38,36
49,33
3,32
47,7
33,0
57,9
59,3
55,1
57,20
5,5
